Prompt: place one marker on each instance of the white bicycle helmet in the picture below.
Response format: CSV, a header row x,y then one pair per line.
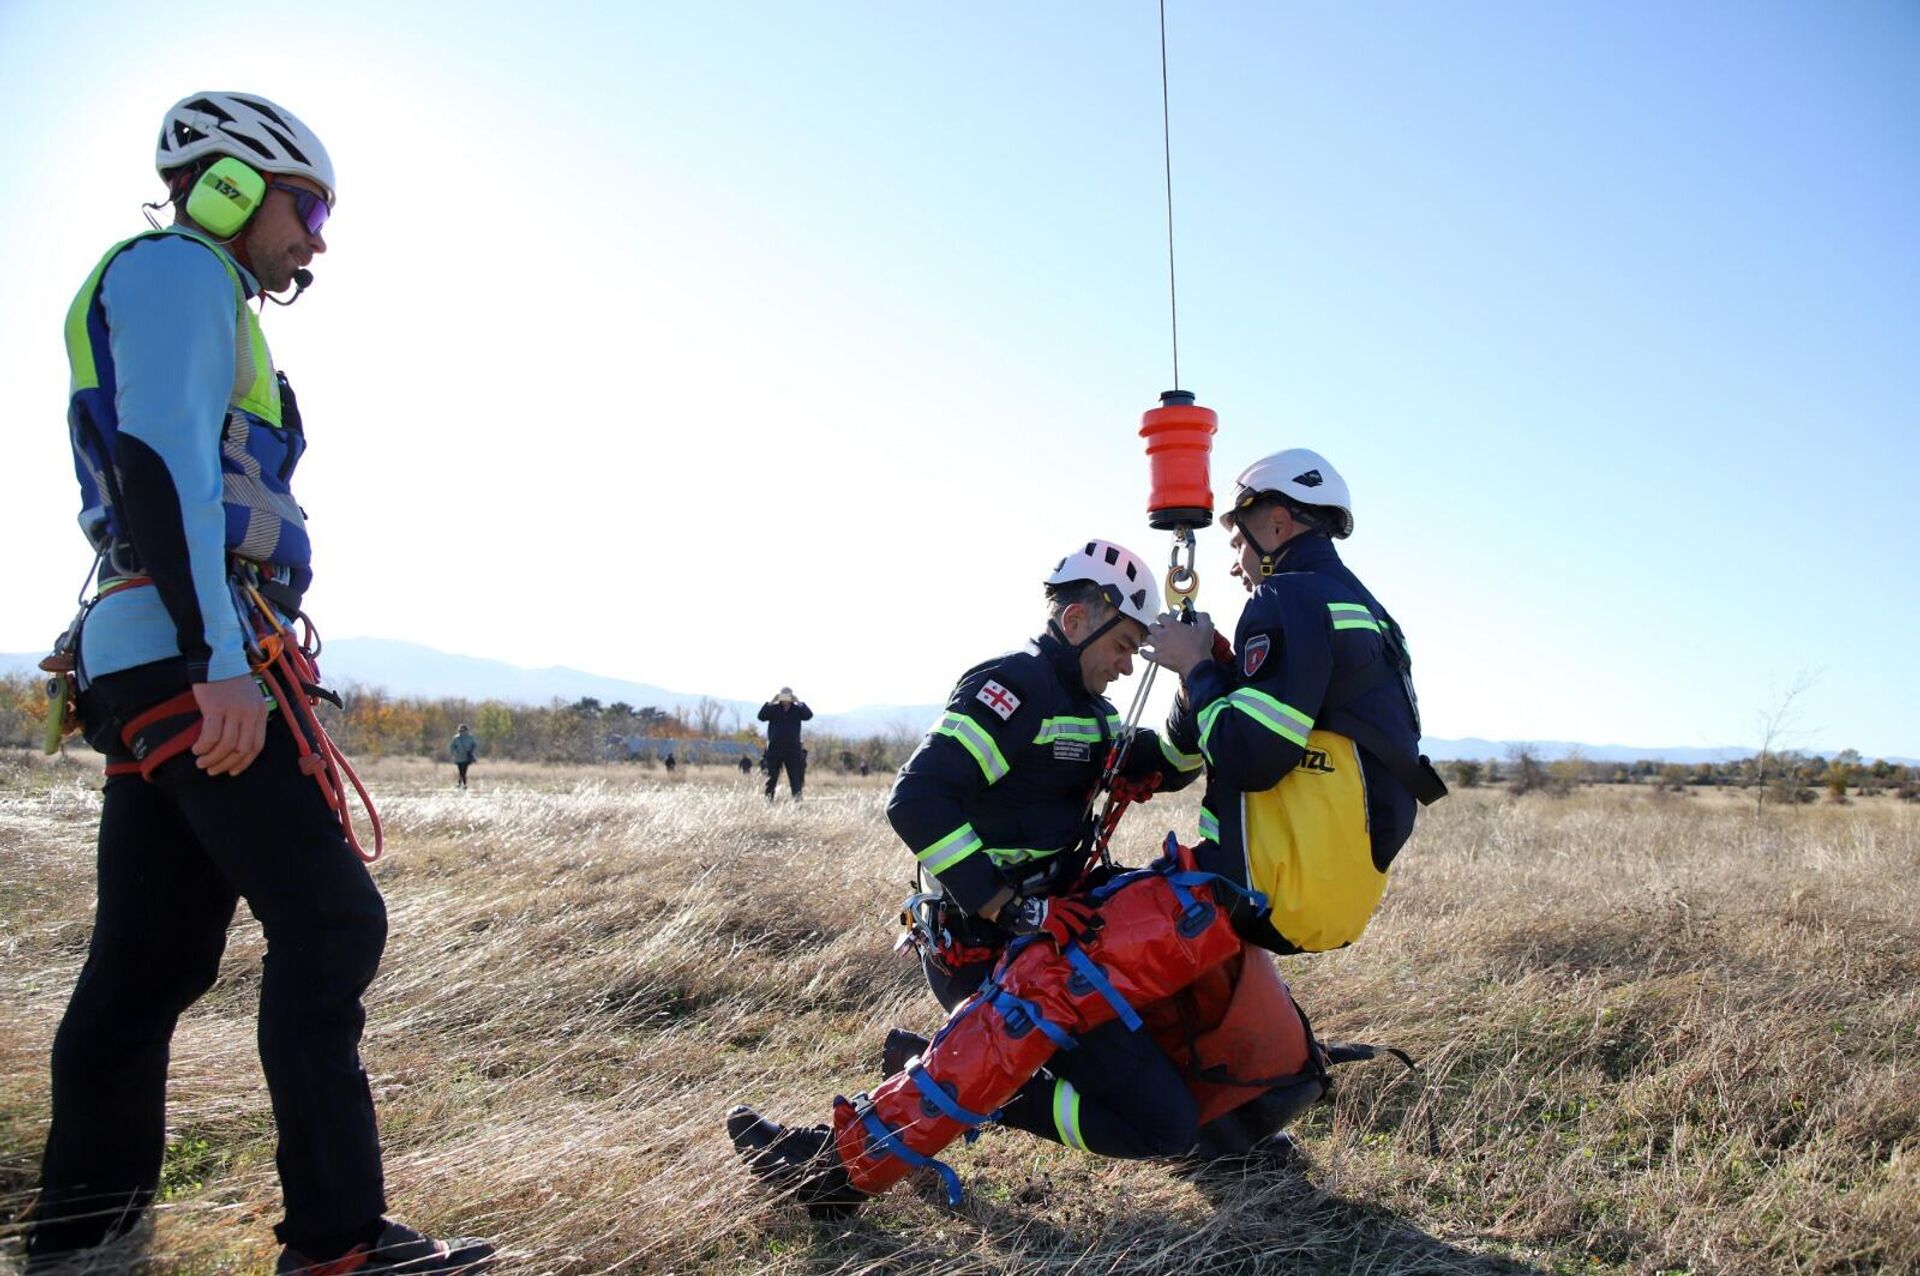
x,y
249,128
1121,574
1304,477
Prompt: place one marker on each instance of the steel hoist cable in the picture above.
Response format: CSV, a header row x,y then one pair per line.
x,y
1166,152
1179,436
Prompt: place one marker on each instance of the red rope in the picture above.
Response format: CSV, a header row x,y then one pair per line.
x,y
287,671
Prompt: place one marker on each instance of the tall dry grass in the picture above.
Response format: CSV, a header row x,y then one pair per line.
x,y
1660,1034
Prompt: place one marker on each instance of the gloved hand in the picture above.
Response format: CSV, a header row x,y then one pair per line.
x,y
1179,645
1125,790
1222,650
1061,920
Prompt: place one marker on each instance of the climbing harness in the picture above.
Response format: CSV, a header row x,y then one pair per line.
x,y
62,664
283,664
927,916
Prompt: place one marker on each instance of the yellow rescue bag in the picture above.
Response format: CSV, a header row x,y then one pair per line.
x,y
1308,847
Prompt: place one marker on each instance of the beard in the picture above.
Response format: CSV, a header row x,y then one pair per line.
x,y
272,269
276,274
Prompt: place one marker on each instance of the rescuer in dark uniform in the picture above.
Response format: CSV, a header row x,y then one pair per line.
x,y
783,715
1309,726
994,807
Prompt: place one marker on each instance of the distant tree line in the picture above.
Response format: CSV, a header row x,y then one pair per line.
x,y
373,723
1783,776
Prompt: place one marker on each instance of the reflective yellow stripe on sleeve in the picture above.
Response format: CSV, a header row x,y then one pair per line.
x,y
1181,761
974,739
949,850
1352,616
1282,719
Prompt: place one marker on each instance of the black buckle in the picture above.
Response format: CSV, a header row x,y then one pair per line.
x,y
1196,917
931,1109
1019,1023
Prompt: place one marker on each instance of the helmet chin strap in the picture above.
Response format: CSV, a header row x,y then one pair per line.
x,y
1053,627
1269,559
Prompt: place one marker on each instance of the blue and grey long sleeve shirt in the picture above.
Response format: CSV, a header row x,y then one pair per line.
x,y
169,307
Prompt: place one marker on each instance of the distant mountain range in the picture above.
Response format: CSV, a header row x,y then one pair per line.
x,y
411,669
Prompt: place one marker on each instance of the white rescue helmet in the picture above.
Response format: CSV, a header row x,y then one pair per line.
x,y
1304,477
247,127
1121,575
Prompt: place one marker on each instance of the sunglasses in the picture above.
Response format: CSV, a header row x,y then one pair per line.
x,y
310,208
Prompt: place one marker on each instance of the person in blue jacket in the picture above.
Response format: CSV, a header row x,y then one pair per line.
x,y
185,440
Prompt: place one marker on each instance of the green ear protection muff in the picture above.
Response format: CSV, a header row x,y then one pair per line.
x,y
225,197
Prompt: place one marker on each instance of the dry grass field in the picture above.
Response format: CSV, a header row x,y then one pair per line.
x,y
1660,1034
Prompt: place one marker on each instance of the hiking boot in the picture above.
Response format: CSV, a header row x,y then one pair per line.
x,y
399,1251
902,1048
1275,1156
802,1161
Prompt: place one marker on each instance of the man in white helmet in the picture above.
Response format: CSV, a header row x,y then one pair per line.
x,y
993,805
185,441
1309,724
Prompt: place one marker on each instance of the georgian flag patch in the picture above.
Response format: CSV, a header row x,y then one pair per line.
x,y
1255,654
998,699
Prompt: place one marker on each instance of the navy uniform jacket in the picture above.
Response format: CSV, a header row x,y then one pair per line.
x,y
783,725
1311,650
999,787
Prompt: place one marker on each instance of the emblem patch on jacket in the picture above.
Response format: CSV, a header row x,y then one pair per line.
x,y
998,699
1072,750
1255,655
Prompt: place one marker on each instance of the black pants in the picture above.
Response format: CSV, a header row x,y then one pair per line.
x,y
175,856
1117,1094
463,772
795,762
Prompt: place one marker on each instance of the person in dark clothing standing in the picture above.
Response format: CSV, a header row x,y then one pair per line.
x,y
464,749
783,715
746,765
185,441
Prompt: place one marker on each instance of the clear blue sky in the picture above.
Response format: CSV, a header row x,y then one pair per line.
x,y
727,345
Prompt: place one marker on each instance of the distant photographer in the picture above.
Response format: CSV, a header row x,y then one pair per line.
x,y
783,715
